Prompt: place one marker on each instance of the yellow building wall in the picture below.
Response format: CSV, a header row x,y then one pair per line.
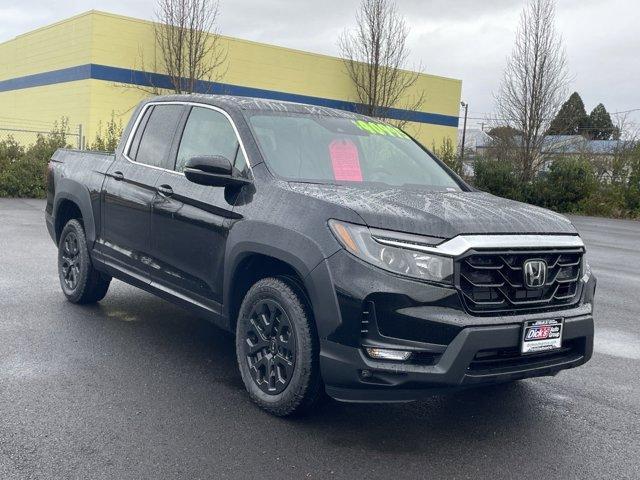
x,y
60,45
38,109
113,40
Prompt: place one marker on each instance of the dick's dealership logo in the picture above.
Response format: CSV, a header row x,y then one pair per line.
x,y
535,273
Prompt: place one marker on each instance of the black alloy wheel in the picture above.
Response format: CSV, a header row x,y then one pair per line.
x,y
71,261
271,347
80,282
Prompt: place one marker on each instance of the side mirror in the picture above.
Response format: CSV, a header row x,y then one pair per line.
x,y
215,171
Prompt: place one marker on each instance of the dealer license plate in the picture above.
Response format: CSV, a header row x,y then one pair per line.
x,y
541,335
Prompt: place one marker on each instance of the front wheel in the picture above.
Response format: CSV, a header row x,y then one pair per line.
x,y
80,282
277,348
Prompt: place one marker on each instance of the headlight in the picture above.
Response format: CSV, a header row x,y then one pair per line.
x,y
586,269
358,240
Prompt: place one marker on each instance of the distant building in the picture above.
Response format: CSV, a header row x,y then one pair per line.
x,y
478,144
476,141
576,145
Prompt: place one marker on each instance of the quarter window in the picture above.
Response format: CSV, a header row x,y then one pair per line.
x,y
207,133
135,143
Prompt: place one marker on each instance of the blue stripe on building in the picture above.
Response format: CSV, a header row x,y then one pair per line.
x,y
138,77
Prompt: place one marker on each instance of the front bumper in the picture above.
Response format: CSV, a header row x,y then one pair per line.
x,y
357,378
452,348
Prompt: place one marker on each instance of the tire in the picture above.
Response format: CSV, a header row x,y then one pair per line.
x,y
80,282
277,348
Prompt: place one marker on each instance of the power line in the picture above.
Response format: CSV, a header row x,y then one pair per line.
x,y
625,111
490,116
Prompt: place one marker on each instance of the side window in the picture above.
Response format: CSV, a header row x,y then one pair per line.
x,y
135,143
209,132
155,142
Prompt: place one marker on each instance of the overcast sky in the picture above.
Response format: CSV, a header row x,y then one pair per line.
x,y
465,39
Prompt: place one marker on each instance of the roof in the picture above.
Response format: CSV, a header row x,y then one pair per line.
x,y
577,144
565,144
257,104
475,138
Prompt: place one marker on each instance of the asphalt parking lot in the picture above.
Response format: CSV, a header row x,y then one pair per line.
x,y
138,388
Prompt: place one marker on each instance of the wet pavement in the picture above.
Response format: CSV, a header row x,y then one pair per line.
x,y
138,388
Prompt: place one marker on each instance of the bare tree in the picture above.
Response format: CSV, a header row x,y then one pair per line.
x,y
375,55
534,82
188,45
617,165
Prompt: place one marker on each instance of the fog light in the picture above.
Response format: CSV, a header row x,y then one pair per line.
x,y
387,354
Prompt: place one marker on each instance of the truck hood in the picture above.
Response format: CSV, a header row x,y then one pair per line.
x,y
440,214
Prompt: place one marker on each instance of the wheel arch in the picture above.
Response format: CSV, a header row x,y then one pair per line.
x,y
293,254
253,265
73,201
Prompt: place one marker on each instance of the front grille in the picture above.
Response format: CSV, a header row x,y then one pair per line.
x,y
492,282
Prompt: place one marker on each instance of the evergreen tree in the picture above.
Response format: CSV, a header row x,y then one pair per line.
x,y
571,119
600,124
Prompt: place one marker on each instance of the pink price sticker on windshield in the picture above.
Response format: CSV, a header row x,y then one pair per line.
x,y
345,161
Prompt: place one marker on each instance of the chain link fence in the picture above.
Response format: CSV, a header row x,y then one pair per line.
x,y
25,149
26,132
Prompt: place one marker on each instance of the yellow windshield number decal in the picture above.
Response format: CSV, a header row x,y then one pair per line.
x,y
380,129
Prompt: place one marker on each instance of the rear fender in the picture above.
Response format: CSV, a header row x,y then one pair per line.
x,y
71,190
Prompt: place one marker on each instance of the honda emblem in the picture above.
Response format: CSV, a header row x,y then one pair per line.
x,y
535,273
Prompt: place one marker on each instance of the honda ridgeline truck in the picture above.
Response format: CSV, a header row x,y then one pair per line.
x,y
345,257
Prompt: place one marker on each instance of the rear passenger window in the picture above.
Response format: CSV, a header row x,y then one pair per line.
x,y
135,143
157,136
206,133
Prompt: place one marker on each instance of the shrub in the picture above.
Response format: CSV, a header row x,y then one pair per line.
x,y
23,171
570,185
607,201
447,153
565,187
107,141
498,177
632,192
46,145
10,149
24,177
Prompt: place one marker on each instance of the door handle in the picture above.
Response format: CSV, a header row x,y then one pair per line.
x,y
117,175
165,190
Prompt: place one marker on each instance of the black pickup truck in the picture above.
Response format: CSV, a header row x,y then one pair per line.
x,y
346,258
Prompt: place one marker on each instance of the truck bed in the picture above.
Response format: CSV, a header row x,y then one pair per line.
x,y
78,176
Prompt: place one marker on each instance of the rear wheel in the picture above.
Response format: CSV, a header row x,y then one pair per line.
x,y
80,282
277,348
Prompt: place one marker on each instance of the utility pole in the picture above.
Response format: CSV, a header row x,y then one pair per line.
x,y
464,129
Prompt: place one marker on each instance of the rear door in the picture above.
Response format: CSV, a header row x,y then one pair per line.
x,y
129,190
190,222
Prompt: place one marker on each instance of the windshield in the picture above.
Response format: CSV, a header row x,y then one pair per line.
x,y
324,149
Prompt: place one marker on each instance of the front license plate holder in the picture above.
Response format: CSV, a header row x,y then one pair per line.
x,y
541,335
